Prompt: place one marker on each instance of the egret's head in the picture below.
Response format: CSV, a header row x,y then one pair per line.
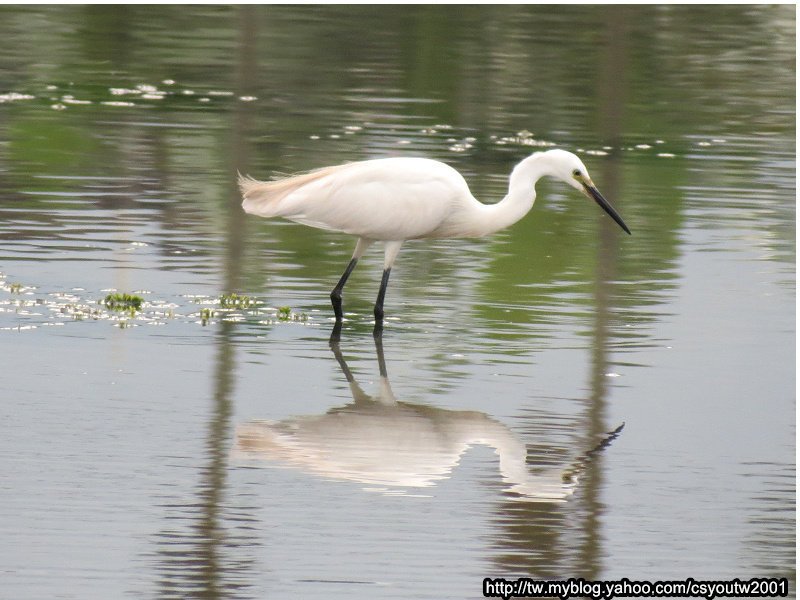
x,y
570,169
565,166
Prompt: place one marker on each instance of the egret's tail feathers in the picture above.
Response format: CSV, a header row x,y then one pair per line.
x,y
264,198
258,197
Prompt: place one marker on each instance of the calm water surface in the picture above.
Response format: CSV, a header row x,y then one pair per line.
x,y
199,449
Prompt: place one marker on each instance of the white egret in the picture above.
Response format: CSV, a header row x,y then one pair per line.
x,y
382,441
392,200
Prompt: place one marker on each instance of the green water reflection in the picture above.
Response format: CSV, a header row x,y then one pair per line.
x,y
127,124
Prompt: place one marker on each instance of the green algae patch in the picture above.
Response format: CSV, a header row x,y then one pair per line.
x,y
235,301
123,302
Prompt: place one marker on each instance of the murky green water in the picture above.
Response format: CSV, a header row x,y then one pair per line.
x,y
199,450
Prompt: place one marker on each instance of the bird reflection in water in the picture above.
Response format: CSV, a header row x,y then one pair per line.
x,y
379,441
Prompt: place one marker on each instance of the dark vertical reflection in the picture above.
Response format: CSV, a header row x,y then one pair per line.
x,y
564,540
209,563
246,83
532,542
612,92
106,35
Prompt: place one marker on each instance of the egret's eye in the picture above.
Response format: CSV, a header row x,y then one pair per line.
x,y
576,173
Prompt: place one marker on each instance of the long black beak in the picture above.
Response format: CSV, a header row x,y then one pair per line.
x,y
595,194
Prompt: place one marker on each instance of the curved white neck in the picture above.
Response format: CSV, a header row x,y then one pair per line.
x,y
520,197
475,219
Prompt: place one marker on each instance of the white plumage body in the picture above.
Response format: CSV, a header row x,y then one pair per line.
x,y
382,199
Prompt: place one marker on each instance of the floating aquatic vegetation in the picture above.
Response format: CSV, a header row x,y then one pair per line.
x,y
80,312
120,302
206,315
22,308
14,97
524,138
70,99
234,300
17,288
285,313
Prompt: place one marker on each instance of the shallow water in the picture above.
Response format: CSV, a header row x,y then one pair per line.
x,y
194,449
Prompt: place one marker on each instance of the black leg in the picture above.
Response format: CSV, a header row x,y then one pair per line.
x,y
377,335
337,352
336,294
381,296
336,335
